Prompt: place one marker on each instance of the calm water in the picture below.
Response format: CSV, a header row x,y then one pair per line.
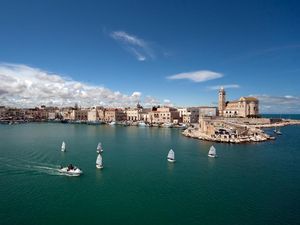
x,y
247,184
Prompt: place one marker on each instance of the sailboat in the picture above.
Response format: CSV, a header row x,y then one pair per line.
x,y
99,148
212,152
63,146
99,163
171,156
277,131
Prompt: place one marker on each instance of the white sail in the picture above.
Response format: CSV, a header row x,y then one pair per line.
x,y
63,146
99,160
99,147
212,151
171,155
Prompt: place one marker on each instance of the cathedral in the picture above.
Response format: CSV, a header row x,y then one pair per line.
x,y
244,107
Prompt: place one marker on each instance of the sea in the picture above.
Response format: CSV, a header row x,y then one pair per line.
x,y
248,184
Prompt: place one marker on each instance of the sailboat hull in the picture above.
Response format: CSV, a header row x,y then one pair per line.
x,y
171,160
99,151
212,156
99,167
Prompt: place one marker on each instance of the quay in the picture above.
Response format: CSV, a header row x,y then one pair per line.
x,y
234,130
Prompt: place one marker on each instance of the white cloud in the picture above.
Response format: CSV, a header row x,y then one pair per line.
x,y
24,86
289,96
197,76
150,101
226,86
168,102
136,46
279,104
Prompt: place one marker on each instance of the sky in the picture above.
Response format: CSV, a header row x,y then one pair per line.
x,y
116,53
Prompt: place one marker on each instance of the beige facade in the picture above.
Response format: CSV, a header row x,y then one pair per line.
x,y
93,115
182,112
164,115
144,115
244,107
114,115
51,115
101,113
191,115
222,101
79,114
133,114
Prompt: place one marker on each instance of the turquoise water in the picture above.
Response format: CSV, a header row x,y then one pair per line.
x,y
248,184
283,116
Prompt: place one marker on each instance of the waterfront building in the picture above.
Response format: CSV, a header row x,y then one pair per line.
x,y
182,112
144,115
244,107
164,115
92,115
51,115
79,114
113,114
101,113
191,115
133,114
2,111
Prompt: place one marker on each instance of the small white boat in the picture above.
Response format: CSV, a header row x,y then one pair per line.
x,y
212,152
142,124
167,125
63,146
277,131
99,148
99,162
171,156
112,123
71,170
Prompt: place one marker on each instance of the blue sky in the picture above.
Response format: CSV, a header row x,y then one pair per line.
x,y
130,50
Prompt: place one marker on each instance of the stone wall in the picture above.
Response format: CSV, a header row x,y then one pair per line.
x,y
249,120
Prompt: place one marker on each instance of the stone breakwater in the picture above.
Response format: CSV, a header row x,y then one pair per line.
x,y
257,136
235,132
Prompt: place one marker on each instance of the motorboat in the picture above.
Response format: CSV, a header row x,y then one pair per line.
x,y
71,170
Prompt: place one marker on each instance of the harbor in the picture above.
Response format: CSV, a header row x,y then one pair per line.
x,y
138,182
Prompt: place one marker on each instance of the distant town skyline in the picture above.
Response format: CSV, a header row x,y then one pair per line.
x,y
176,53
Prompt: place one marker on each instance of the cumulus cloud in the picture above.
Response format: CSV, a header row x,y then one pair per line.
x,y
24,86
279,104
197,76
150,101
226,86
136,46
168,103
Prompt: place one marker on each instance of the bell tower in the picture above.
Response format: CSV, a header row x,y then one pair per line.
x,y
222,101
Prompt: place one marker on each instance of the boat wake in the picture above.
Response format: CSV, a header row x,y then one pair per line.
x,y
20,166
